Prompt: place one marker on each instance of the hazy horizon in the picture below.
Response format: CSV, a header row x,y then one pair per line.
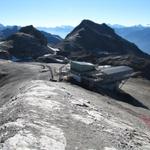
x,y
67,25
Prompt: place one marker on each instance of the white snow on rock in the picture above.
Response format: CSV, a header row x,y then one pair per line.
x,y
1,43
54,49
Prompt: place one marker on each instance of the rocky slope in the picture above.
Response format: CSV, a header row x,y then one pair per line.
x,y
97,42
43,115
98,38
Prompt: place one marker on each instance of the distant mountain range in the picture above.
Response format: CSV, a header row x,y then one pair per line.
x,y
6,31
61,30
89,41
140,35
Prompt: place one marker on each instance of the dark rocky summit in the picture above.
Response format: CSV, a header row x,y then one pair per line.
x,y
98,43
34,32
6,31
97,39
27,43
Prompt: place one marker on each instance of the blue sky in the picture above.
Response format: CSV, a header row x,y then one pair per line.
x,y
71,12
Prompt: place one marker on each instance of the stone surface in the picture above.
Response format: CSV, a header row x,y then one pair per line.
x,y
38,114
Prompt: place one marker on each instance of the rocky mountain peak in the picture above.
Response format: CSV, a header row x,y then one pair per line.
x,y
27,43
94,42
34,32
95,27
96,38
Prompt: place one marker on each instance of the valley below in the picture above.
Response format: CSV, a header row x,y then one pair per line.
x,y
36,113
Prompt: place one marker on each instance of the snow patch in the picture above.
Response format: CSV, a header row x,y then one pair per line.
x,y
1,42
54,49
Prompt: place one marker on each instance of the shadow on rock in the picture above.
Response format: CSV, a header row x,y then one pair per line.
x,y
118,95
121,95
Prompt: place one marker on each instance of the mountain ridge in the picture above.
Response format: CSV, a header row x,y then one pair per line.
x,y
133,34
98,43
90,35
